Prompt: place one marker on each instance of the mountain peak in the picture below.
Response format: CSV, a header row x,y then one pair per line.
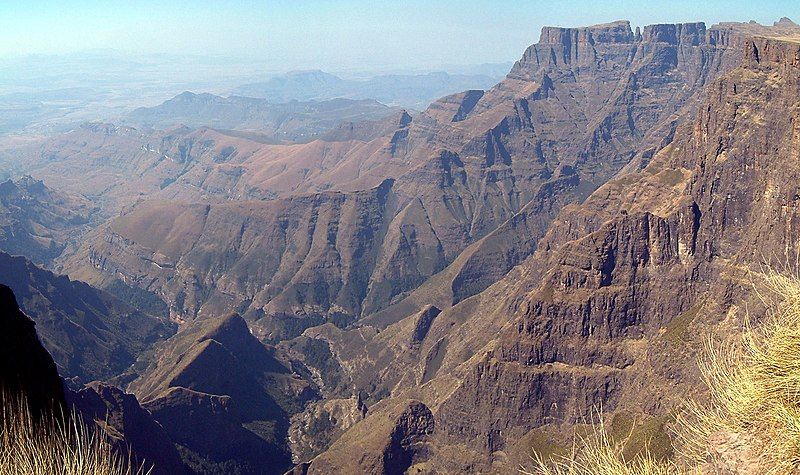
x,y
189,96
231,331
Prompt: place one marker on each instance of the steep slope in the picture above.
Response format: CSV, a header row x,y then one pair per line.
x,y
617,298
38,222
578,107
26,369
392,442
285,242
222,397
91,334
132,429
291,121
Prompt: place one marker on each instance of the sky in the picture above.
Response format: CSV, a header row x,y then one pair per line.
x,y
338,34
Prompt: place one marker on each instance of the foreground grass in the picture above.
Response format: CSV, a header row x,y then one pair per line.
x,y
754,388
597,454
54,447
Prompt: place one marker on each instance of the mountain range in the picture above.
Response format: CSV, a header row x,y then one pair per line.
x,y
338,286
413,91
291,121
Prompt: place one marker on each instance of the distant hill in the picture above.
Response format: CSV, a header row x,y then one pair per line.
x,y
292,121
414,91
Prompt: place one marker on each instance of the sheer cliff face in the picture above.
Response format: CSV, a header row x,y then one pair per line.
x,y
622,290
580,105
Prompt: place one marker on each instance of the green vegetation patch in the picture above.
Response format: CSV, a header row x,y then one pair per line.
x,y
677,331
641,435
542,442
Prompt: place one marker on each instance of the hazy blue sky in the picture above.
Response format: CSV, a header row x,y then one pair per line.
x,y
339,34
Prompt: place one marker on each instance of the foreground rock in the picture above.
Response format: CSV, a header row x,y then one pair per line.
x,y
26,368
91,334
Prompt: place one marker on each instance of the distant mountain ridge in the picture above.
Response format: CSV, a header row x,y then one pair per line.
x,y
407,90
291,121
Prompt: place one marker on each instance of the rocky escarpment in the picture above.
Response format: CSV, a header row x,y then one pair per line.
x,y
613,305
26,369
298,261
38,222
503,162
613,314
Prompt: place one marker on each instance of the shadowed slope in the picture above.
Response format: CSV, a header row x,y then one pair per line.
x,y
223,397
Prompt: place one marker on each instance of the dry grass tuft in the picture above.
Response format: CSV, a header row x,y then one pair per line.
x,y
754,386
754,394
54,447
597,454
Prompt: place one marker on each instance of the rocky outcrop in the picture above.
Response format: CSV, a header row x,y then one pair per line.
x,y
131,428
389,443
315,429
27,371
422,323
223,397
